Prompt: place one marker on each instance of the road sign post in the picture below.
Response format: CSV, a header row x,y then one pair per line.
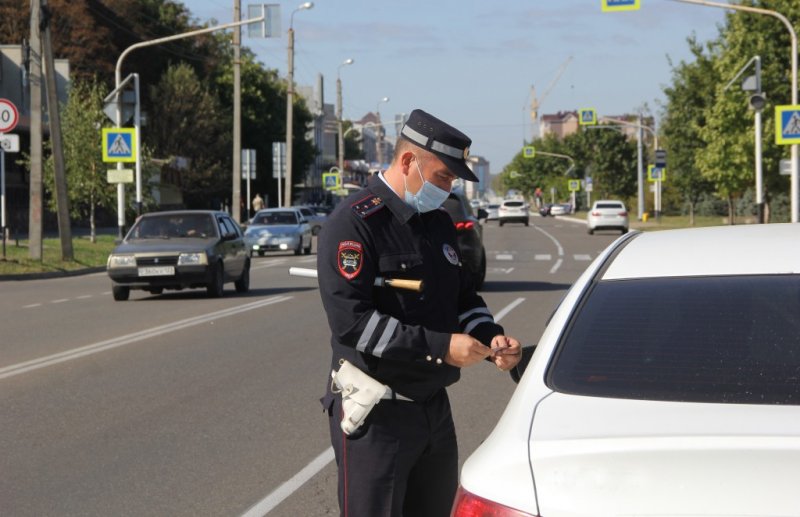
x,y
9,117
278,165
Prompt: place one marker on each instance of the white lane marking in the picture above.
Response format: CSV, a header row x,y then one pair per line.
x,y
281,493
60,300
277,496
69,355
31,305
582,257
543,257
85,296
504,256
508,308
558,246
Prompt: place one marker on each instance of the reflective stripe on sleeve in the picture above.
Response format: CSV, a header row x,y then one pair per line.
x,y
478,310
369,330
388,332
477,321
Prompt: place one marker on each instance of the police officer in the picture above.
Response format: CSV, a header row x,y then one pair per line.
x,y
403,461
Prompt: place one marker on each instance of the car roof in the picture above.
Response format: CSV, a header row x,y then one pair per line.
x,y
756,249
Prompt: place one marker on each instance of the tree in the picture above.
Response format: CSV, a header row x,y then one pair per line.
x,y
87,185
188,121
688,99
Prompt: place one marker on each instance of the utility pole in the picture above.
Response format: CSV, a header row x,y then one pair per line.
x,y
35,76
237,115
287,196
62,200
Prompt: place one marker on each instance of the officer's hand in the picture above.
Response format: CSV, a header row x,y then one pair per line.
x,y
465,350
506,352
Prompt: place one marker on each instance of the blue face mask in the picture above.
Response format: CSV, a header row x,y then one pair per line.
x,y
429,197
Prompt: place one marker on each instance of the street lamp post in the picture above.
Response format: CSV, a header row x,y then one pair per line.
x,y
640,160
379,137
793,35
757,101
348,61
117,83
287,197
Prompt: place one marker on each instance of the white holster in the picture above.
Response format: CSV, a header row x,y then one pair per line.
x,y
360,393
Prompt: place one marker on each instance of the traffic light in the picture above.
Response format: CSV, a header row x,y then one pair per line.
x,y
758,100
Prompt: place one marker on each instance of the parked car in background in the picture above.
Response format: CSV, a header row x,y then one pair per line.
x,y
278,229
607,214
316,218
513,211
491,211
665,383
180,250
555,209
470,236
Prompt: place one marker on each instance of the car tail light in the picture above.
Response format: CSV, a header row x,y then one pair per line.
x,y
465,225
623,213
470,505
595,213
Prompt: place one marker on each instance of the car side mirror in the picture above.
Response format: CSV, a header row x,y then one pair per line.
x,y
517,371
483,214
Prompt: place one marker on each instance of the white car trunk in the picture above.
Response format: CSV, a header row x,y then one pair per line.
x,y
613,457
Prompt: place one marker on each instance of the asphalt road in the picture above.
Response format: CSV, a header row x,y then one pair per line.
x,y
182,405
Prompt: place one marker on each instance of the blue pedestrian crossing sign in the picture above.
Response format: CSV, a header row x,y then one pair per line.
x,y
655,173
787,125
587,117
119,144
529,151
620,5
332,180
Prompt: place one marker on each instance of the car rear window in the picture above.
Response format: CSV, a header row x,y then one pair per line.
x,y
513,203
610,205
724,339
455,208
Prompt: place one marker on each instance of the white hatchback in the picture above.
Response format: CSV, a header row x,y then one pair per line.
x,y
667,383
511,211
607,215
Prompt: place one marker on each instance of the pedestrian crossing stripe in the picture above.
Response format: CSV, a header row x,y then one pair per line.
x,y
119,144
787,125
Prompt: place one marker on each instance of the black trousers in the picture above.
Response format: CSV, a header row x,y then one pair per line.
x,y
402,462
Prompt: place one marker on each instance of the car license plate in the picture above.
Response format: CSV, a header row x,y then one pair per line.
x,y
157,271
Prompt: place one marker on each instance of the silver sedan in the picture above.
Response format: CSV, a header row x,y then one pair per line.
x,y
278,229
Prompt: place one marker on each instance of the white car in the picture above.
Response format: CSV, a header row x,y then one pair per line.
x,y
667,383
607,215
513,211
278,229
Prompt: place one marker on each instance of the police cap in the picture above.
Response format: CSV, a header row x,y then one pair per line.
x,y
448,143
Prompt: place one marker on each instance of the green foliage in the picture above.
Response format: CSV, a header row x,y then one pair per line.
x,y
606,155
709,131
87,185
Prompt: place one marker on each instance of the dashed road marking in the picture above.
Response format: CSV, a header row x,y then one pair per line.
x,y
543,257
504,256
582,257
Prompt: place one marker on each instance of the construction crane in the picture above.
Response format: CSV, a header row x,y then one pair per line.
x,y
537,102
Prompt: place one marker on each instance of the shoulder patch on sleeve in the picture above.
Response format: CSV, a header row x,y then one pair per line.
x,y
349,258
367,206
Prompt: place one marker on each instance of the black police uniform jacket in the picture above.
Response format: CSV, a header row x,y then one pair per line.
x,y
399,337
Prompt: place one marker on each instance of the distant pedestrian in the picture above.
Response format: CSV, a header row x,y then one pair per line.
x,y
258,203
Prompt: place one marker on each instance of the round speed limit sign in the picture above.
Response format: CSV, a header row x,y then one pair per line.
x,y
9,116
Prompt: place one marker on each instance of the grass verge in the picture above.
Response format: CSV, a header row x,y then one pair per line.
x,y
17,259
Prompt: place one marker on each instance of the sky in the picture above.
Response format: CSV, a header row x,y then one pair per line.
x,y
472,64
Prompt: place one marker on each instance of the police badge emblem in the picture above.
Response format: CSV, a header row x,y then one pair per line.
x,y
450,254
350,257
